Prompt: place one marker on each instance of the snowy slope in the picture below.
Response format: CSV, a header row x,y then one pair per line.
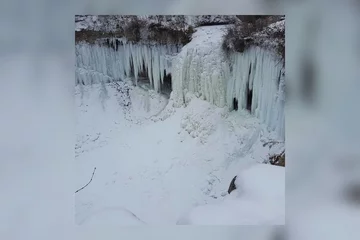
x,y
152,169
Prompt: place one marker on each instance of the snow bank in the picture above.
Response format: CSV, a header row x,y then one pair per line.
x,y
96,64
263,182
258,200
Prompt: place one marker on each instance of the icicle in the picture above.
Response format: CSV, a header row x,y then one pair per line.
x,y
96,64
267,101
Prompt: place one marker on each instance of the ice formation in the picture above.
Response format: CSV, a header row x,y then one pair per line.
x,y
253,80
257,82
201,67
98,63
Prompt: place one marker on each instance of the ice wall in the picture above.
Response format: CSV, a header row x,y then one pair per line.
x,y
254,78
260,74
98,63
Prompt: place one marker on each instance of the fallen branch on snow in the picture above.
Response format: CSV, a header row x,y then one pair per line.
x,y
271,143
88,182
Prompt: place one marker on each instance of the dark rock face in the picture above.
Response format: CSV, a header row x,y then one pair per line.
x,y
239,45
153,29
232,185
235,104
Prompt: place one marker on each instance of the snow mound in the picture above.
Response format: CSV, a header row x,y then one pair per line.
x,y
262,182
258,200
201,124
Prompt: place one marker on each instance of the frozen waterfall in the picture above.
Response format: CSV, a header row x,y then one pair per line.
x,y
253,80
257,82
201,67
100,63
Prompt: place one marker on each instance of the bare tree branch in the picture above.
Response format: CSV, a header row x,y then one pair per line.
x,y
271,143
88,182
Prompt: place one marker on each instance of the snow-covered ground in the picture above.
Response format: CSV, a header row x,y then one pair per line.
x,y
155,163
